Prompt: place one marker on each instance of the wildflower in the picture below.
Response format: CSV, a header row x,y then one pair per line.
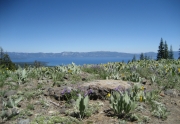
x,y
63,92
118,88
88,92
142,88
122,75
179,70
69,71
141,98
108,95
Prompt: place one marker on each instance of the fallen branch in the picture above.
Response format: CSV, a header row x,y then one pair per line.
x,y
54,103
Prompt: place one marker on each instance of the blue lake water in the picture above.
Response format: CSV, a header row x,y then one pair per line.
x,y
76,60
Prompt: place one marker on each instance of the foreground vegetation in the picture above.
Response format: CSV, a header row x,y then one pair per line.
x,y
27,100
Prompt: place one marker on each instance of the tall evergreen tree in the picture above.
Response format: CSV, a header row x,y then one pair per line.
x,y
1,54
160,54
146,57
171,55
5,61
179,52
141,56
134,58
165,51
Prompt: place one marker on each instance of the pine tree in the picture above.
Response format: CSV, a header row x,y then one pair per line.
x,y
179,52
134,58
141,56
5,61
1,54
160,54
165,51
146,57
171,55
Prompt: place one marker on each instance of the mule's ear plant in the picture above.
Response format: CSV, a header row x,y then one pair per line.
x,y
153,77
10,108
82,105
121,103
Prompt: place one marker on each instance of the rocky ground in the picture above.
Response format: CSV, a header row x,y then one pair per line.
x,y
41,98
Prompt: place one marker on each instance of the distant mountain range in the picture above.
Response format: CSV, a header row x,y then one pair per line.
x,y
18,55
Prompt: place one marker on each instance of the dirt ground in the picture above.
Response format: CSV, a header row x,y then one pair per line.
x,y
104,114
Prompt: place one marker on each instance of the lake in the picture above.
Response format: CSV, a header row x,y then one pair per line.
x,y
76,60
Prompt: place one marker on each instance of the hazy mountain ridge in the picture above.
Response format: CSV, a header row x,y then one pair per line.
x,y
17,55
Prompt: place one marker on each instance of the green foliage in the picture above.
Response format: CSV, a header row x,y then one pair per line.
x,y
166,52
30,106
55,120
179,53
141,56
22,75
70,94
171,55
159,110
160,54
153,95
153,78
121,103
10,108
12,103
163,52
134,58
5,61
97,70
82,105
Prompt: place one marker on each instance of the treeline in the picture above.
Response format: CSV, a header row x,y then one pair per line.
x,y
5,61
164,52
7,64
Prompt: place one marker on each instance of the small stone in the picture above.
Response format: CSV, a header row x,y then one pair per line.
x,y
73,102
144,81
10,93
170,92
162,94
23,121
51,112
62,110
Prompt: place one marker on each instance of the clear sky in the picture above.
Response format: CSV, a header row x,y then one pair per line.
x,y
131,26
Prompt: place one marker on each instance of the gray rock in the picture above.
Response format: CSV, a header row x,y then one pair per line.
x,y
10,93
23,121
100,88
171,92
62,110
72,101
9,79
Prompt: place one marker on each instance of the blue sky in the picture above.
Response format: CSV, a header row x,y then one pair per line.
x,y
131,26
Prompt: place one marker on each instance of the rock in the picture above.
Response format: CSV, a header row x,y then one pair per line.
x,y
52,112
162,94
44,78
144,81
9,93
51,92
23,121
84,79
62,110
9,79
170,92
101,88
13,83
72,101
40,81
